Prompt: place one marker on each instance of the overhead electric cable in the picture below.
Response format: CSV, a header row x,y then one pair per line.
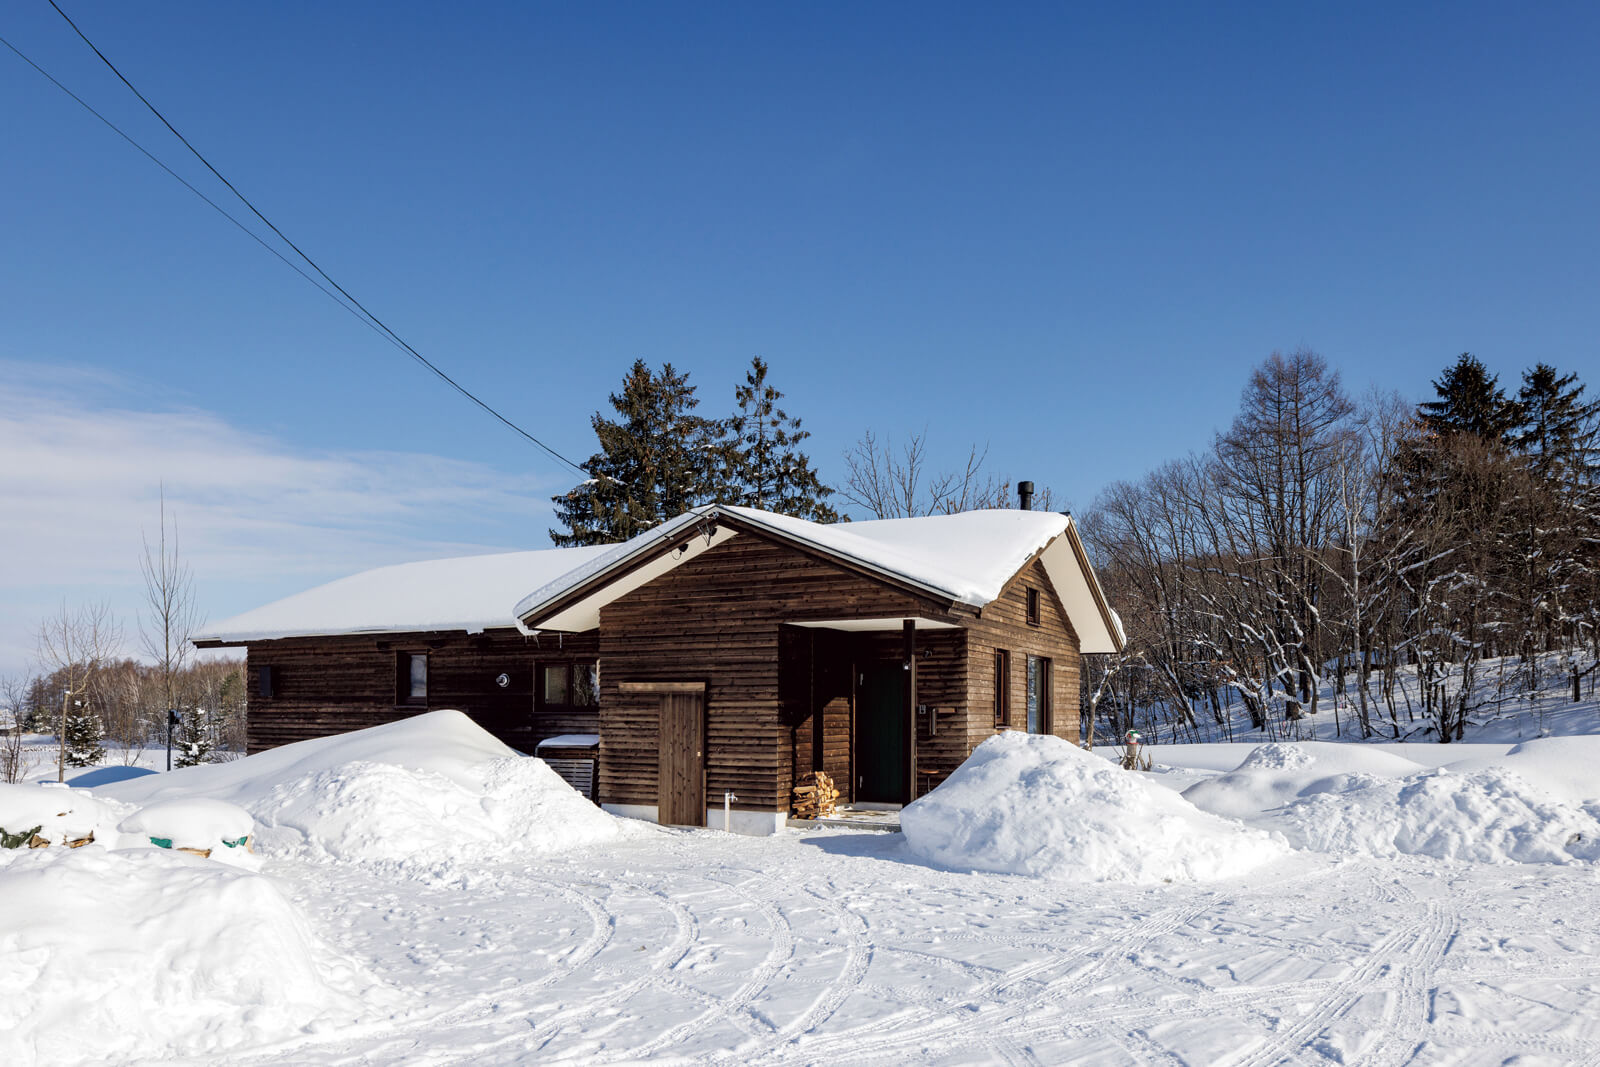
x,y
218,208
376,322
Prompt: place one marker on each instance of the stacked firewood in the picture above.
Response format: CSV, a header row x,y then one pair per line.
x,y
814,796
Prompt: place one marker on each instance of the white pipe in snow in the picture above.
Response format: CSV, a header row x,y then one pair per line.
x,y
727,812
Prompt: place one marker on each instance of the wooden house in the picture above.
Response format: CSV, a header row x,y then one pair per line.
x,y
716,658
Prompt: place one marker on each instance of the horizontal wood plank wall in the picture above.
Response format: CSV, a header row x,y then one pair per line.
x,y
1004,624
330,685
717,619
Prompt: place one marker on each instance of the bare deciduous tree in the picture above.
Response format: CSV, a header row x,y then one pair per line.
x,y
74,646
896,483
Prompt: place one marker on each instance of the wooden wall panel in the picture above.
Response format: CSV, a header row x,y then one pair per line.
x,y
1004,624
329,685
717,619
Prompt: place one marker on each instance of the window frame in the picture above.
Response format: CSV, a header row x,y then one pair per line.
x,y
405,693
266,679
1034,609
1042,691
542,706
1002,688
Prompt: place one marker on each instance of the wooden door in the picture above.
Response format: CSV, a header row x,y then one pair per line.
x,y
880,735
681,773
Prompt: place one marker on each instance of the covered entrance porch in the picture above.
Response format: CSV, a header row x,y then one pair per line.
x,y
865,701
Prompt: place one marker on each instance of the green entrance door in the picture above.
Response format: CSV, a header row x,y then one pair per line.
x,y
881,735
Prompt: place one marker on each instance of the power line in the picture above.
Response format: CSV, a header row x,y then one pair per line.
x,y
355,307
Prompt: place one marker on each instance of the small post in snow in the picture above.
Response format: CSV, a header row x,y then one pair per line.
x,y
172,720
727,812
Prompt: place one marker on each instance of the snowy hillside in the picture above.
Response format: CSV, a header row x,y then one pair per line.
x,y
1507,702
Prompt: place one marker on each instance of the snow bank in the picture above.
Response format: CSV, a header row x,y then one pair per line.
x,y
61,814
383,813
1040,806
1273,775
425,790
113,956
1485,816
1356,800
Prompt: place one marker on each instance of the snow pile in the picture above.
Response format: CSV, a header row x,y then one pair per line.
x,y
113,956
209,825
1357,800
425,790
1025,804
1276,774
60,814
366,812
1485,816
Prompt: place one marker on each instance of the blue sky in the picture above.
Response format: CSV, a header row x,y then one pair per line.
x,y
1067,234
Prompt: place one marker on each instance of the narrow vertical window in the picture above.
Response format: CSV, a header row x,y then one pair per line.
x,y
1038,687
411,678
1033,607
1002,688
264,682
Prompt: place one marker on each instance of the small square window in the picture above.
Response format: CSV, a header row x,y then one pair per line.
x,y
1033,607
564,686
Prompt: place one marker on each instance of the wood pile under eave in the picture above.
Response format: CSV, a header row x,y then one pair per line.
x,y
814,797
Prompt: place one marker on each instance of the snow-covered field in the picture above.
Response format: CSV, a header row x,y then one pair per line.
x,y
491,920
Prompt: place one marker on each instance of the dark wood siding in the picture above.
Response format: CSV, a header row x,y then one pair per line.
x,y
717,619
329,685
1004,624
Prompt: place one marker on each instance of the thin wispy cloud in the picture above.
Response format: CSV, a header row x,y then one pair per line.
x,y
84,459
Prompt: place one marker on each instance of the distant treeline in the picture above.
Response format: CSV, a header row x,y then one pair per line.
x,y
127,701
1327,542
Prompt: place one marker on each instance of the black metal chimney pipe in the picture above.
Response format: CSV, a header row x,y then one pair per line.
x,y
1025,494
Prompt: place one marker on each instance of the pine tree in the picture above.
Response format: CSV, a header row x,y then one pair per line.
x,y
1470,401
1558,429
762,464
82,740
194,739
655,462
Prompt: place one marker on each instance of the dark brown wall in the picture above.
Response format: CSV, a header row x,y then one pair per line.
x,y
1004,624
328,685
717,619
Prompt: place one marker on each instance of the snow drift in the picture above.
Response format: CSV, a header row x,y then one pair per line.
x,y
1026,804
140,954
423,791
1344,799
60,814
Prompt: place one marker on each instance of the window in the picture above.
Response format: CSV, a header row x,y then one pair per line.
x,y
411,678
1002,688
1033,607
564,686
1038,695
264,682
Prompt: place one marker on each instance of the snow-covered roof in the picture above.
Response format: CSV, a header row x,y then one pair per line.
x,y
471,593
967,558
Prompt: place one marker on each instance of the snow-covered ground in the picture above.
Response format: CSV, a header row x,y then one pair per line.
x,y
1502,709
550,933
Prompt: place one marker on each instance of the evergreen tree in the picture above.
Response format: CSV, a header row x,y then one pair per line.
x,y
656,461
82,740
1558,430
762,464
194,739
1470,401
